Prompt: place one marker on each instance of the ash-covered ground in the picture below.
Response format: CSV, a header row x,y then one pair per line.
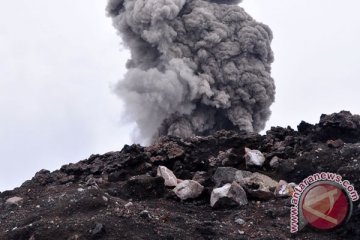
x,y
118,195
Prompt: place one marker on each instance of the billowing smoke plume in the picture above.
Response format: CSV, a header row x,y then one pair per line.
x,y
196,66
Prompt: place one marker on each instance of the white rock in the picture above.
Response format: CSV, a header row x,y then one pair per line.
x,y
168,176
240,221
228,195
264,186
264,182
188,189
105,198
129,204
254,157
218,193
14,200
284,189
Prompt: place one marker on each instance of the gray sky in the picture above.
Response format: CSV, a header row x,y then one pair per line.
x,y
59,59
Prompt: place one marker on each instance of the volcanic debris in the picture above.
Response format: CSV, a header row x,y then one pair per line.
x,y
132,193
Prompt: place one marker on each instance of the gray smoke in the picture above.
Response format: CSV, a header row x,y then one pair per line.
x,y
196,66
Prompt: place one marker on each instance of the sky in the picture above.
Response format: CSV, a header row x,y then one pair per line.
x,y
60,59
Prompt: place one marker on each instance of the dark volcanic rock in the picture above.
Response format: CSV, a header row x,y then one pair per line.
x,y
117,176
335,143
225,175
341,125
98,230
143,187
118,196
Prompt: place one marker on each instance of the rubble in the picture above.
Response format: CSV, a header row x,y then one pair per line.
x,y
14,200
143,187
168,176
128,205
115,190
98,230
225,175
274,162
188,189
254,157
229,195
284,189
117,176
145,214
335,143
240,221
259,186
201,177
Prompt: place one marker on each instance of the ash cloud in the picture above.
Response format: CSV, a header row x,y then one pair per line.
x,y
196,66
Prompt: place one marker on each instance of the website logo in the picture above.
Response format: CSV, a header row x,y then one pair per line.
x,y
323,201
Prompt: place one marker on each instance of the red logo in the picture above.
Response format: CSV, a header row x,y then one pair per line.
x,y
325,205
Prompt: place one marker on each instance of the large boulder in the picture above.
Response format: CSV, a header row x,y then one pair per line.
x,y
229,195
143,187
225,175
254,157
188,189
259,186
168,176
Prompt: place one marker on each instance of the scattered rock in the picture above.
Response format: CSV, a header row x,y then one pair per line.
x,y
43,177
14,201
67,179
117,176
224,157
259,186
175,151
105,198
157,159
284,189
74,237
98,230
145,214
168,176
143,187
254,157
229,195
274,162
240,221
213,161
128,205
225,175
201,177
92,182
188,189
335,143
341,125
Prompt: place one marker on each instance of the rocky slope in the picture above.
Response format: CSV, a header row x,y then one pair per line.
x,y
118,195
